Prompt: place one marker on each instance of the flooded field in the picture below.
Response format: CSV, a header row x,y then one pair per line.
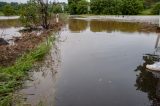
x,y
103,64
97,63
9,28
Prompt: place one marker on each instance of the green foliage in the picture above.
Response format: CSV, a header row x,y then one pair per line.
x,y
132,7
57,8
97,6
1,13
8,10
146,12
149,3
73,6
2,4
28,14
66,8
156,9
82,7
109,7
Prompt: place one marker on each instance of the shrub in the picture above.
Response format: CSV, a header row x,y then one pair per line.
x,y
156,9
8,10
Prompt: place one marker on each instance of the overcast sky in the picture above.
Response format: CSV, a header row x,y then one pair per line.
x,y
23,1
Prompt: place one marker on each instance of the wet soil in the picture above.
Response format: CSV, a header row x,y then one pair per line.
x,y
27,42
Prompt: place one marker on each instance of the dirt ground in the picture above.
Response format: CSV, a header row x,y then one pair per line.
x,y
23,44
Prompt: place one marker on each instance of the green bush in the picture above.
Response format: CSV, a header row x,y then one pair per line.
x,y
8,10
29,16
156,9
132,7
82,7
57,9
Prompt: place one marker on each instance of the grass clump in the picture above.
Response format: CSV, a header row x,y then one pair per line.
x,y
11,78
146,12
1,13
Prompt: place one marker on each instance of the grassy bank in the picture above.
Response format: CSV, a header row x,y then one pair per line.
x,y
146,12
1,13
12,77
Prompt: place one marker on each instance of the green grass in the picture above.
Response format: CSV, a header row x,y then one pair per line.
x,y
1,13
146,12
11,78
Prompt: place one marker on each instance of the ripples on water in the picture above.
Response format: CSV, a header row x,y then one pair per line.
x,y
103,64
100,63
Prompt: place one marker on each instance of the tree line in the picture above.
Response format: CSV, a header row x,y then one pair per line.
x,y
98,7
15,8
112,7
9,9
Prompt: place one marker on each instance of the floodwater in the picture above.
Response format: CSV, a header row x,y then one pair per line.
x,y
102,64
9,28
98,63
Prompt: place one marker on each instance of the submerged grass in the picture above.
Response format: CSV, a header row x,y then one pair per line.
x,y
11,78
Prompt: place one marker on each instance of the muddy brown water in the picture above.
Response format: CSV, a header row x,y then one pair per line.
x,y
97,63
9,28
103,65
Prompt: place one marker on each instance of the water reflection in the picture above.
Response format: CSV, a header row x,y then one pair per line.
x,y
9,23
78,25
110,26
10,28
149,81
40,89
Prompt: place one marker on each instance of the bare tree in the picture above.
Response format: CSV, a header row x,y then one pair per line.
x,y
37,13
44,13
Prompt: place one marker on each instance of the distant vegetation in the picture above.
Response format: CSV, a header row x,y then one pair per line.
x,y
98,7
15,8
114,7
156,9
37,13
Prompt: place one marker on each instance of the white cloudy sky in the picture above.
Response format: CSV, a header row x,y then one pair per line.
x,y
23,1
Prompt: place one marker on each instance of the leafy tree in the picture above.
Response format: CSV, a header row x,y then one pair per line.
x,y
2,4
73,6
149,3
97,6
156,9
8,10
66,8
15,6
36,12
82,7
112,7
57,8
29,15
132,7
109,7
